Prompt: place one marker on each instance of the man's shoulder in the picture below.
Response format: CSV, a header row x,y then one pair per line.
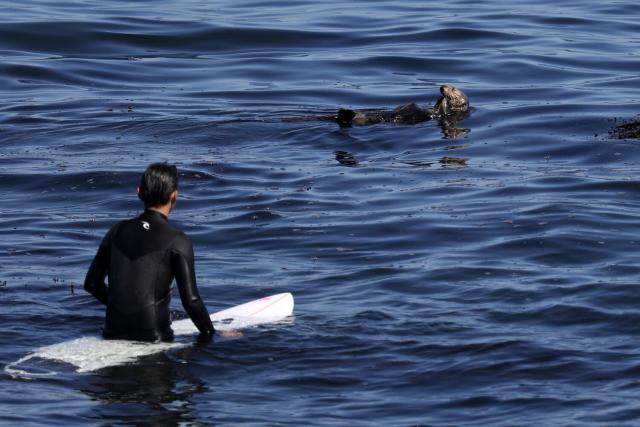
x,y
111,234
169,233
182,242
174,229
181,236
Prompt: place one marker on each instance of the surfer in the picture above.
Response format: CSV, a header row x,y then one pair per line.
x,y
141,256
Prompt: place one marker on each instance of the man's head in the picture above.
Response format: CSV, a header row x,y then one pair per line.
x,y
158,185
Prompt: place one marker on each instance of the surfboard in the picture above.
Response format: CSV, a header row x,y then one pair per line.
x,y
91,353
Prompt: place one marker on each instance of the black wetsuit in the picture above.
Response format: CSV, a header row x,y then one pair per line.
x,y
141,256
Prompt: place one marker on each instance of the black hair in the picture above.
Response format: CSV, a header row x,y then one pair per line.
x,y
158,181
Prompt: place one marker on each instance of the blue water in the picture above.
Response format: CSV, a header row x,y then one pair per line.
x,y
497,289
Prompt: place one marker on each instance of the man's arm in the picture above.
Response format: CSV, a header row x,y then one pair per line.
x,y
184,271
94,282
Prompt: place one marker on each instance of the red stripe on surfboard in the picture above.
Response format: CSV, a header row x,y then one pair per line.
x,y
264,308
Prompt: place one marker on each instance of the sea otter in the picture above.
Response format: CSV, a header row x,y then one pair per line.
x,y
453,102
449,109
627,130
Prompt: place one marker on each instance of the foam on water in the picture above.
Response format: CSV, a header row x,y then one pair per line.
x,y
92,353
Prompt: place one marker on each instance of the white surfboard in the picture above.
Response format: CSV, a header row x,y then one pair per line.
x,y
92,353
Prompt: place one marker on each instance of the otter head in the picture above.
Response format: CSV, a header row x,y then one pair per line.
x,y
453,100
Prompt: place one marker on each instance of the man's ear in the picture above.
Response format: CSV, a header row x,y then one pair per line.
x,y
174,197
138,193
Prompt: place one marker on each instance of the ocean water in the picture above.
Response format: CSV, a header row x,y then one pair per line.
x,y
485,279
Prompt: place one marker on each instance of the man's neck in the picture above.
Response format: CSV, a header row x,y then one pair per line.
x,y
164,210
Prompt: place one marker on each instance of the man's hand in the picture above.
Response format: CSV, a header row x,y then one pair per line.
x,y
205,338
231,334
